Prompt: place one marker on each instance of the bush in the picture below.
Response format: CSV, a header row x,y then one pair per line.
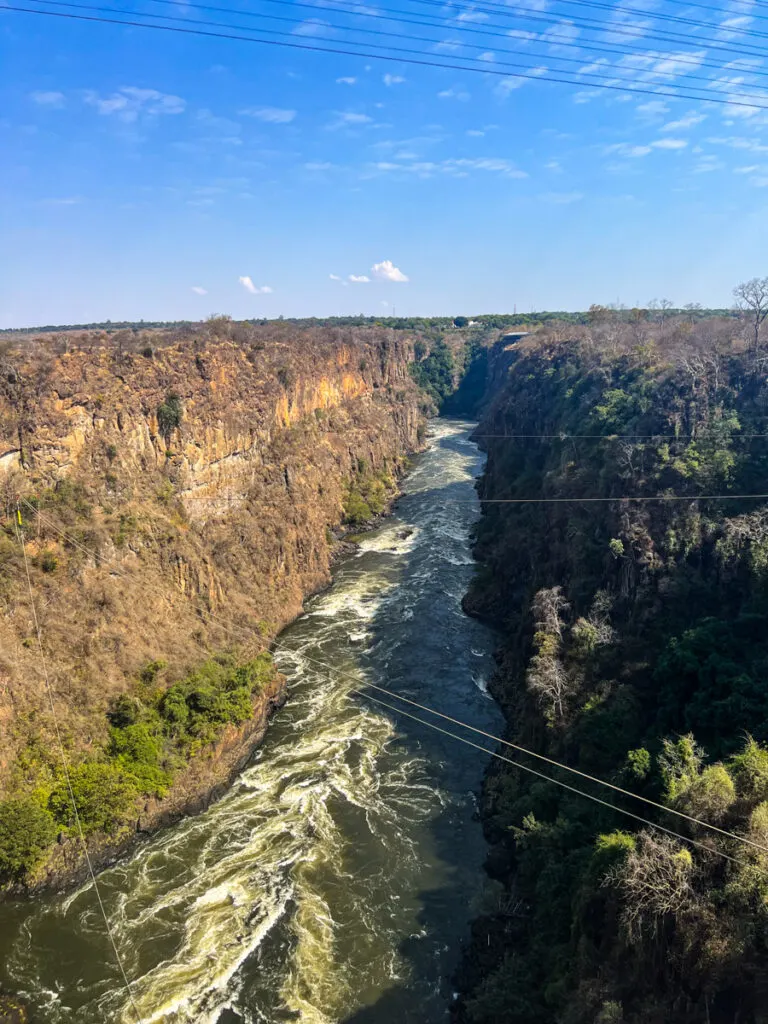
x,y
169,415
26,830
356,509
48,561
104,796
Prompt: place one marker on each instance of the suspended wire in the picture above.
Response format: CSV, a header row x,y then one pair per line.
x,y
447,502
487,69
547,778
439,25
658,16
67,776
592,24
587,79
275,644
568,40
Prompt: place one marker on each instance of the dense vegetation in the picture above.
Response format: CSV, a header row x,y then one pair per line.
x,y
152,734
634,649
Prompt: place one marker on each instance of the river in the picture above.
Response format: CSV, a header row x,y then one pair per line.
x,y
335,881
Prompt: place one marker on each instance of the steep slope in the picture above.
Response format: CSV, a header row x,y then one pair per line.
x,y
178,501
633,632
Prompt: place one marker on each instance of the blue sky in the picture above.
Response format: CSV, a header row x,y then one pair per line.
x,y
160,176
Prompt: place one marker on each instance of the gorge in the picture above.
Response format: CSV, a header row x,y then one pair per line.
x,y
184,498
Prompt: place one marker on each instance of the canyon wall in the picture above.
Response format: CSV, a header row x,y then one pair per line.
x,y
176,501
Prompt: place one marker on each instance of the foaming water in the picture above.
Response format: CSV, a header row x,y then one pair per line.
x,y
333,881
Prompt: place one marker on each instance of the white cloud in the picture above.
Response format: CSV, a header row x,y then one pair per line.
x,y
48,99
746,170
312,27
129,102
585,95
334,277
322,165
562,198
687,121
359,279
273,115
198,290
349,119
387,271
470,14
653,108
453,94
670,143
519,33
347,80
625,150
389,80
249,286
475,133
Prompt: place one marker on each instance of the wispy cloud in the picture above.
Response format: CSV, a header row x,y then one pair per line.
x,y
349,119
687,121
390,80
347,80
48,99
313,27
198,290
670,143
272,115
359,279
249,286
130,102
454,94
470,14
387,271
334,277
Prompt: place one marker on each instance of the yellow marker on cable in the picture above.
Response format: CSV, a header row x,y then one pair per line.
x,y
18,516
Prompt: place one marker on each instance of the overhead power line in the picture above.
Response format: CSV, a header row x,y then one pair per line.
x,y
391,14
593,25
388,15
486,69
587,79
68,777
242,632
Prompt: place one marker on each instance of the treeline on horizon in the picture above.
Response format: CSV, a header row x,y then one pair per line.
x,y
497,321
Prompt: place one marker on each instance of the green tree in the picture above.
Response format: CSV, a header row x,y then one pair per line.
x,y
104,795
26,830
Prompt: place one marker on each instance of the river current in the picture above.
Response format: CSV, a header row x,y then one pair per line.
x,y
335,881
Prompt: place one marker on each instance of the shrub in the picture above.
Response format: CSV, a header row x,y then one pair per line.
x,y
26,830
48,561
356,509
104,796
169,415
750,771
111,452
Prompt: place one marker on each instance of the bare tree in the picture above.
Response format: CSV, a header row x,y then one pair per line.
x,y
752,299
547,678
655,884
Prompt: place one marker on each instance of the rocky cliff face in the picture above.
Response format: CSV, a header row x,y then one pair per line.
x,y
186,498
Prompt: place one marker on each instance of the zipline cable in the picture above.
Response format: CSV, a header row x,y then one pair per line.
x,y
423,707
68,777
